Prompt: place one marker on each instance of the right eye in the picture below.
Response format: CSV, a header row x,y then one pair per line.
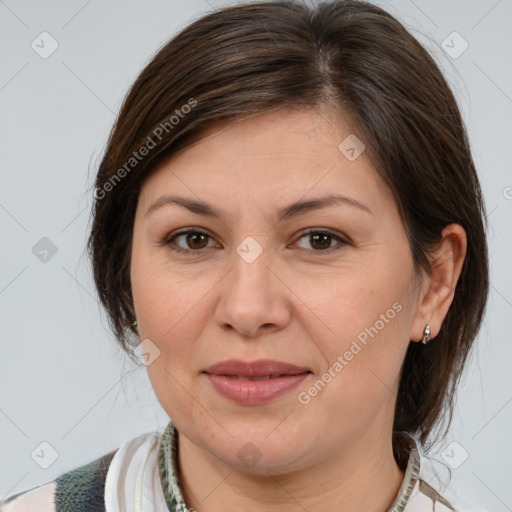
x,y
194,238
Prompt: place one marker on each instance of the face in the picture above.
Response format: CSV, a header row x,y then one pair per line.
x,y
329,289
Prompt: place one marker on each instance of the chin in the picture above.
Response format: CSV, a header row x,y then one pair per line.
x,y
258,455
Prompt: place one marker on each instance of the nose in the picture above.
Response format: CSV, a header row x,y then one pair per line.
x,y
253,299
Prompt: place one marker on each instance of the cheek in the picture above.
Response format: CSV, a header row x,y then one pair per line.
x,y
368,317
369,351
358,305
361,374
171,390
164,299
169,312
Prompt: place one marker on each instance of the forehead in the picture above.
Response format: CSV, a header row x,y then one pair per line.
x,y
287,153
279,130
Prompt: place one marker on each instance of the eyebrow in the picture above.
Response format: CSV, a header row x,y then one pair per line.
x,y
292,210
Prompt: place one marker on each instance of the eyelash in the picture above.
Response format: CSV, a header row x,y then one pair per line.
x,y
170,240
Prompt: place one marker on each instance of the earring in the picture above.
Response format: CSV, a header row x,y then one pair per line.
x,y
426,335
134,326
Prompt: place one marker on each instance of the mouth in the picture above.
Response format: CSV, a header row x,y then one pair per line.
x,y
261,368
263,377
255,383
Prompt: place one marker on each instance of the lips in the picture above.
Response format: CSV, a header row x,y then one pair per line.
x,y
262,368
257,382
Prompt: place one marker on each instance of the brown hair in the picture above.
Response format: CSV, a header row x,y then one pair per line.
x,y
253,58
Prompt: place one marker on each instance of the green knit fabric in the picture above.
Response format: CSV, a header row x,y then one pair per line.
x,y
83,489
168,466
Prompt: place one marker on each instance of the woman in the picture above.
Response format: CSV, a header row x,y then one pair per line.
x,y
313,338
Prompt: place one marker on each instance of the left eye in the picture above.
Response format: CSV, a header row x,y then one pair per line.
x,y
322,239
197,240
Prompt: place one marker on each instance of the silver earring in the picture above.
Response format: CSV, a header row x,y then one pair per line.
x,y
426,335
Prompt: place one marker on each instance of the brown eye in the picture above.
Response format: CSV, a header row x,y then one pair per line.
x,y
321,240
194,241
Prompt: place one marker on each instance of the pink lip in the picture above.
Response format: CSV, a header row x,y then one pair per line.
x,y
284,377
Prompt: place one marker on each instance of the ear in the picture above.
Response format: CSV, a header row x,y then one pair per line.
x,y
438,289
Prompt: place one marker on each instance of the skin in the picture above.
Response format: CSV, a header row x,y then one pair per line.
x,y
303,301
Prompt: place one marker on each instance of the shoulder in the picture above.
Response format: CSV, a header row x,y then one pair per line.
x,y
73,490
77,490
41,499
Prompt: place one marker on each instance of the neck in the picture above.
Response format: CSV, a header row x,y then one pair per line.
x,y
362,476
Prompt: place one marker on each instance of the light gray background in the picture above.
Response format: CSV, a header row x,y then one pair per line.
x,y
63,380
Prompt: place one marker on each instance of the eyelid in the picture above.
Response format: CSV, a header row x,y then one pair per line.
x,y
326,231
